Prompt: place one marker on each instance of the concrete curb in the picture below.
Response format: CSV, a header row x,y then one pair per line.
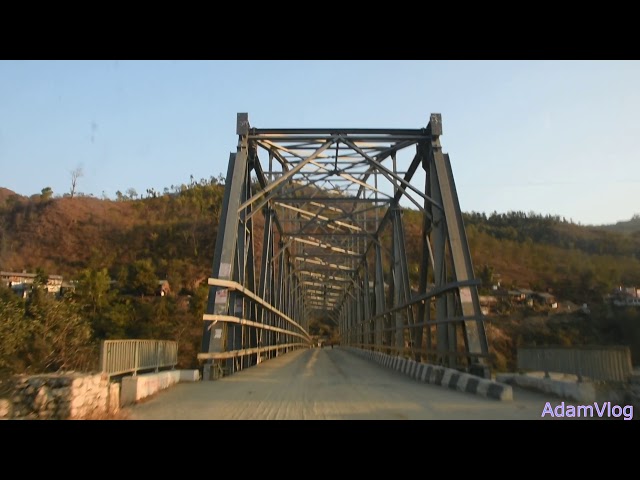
x,y
437,375
135,388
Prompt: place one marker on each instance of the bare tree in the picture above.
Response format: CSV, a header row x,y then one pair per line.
x,y
75,174
132,193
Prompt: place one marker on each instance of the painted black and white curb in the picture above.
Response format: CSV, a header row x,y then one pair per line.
x,y
437,375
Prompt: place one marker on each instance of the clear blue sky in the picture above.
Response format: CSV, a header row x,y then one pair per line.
x,y
559,137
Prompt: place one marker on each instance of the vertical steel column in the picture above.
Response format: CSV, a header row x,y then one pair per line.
x,y
354,315
296,289
360,310
226,244
396,284
280,292
342,326
292,298
349,311
424,308
402,289
284,298
366,300
438,238
250,307
297,294
235,332
271,295
266,272
474,332
378,285
347,317
288,297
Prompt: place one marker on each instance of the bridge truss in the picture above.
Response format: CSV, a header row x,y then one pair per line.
x,y
312,226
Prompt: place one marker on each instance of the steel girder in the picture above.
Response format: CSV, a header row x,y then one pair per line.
x,y
326,204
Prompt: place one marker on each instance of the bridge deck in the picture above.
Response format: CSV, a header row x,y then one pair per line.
x,y
329,384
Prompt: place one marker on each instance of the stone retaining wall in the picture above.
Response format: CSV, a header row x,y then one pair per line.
x,y
61,397
83,395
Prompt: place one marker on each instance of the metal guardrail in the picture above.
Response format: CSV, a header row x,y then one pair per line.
x,y
118,357
591,362
292,336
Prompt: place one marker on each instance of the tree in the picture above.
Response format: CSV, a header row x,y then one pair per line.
x,y
15,331
117,322
131,192
61,336
142,278
93,290
75,175
46,194
40,282
486,276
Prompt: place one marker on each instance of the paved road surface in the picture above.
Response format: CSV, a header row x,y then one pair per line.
x,y
328,384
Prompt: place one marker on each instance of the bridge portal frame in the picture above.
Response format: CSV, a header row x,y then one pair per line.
x,y
326,206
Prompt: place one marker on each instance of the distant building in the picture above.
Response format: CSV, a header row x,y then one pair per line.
x,y
487,303
22,282
21,289
627,302
163,288
546,299
516,295
632,291
625,297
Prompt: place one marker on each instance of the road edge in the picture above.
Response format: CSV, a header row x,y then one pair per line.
x,y
438,375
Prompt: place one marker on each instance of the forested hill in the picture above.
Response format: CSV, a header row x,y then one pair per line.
x,y
175,232
138,240
629,226
557,231
579,263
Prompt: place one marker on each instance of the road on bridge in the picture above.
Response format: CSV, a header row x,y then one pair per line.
x,y
328,384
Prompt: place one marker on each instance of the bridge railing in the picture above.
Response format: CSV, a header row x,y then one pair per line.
x,y
292,335
118,357
602,363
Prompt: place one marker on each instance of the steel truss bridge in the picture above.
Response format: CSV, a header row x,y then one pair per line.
x,y
312,228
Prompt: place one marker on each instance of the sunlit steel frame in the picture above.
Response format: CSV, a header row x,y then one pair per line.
x,y
326,205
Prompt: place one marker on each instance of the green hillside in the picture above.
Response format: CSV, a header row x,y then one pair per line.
x,y
117,250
